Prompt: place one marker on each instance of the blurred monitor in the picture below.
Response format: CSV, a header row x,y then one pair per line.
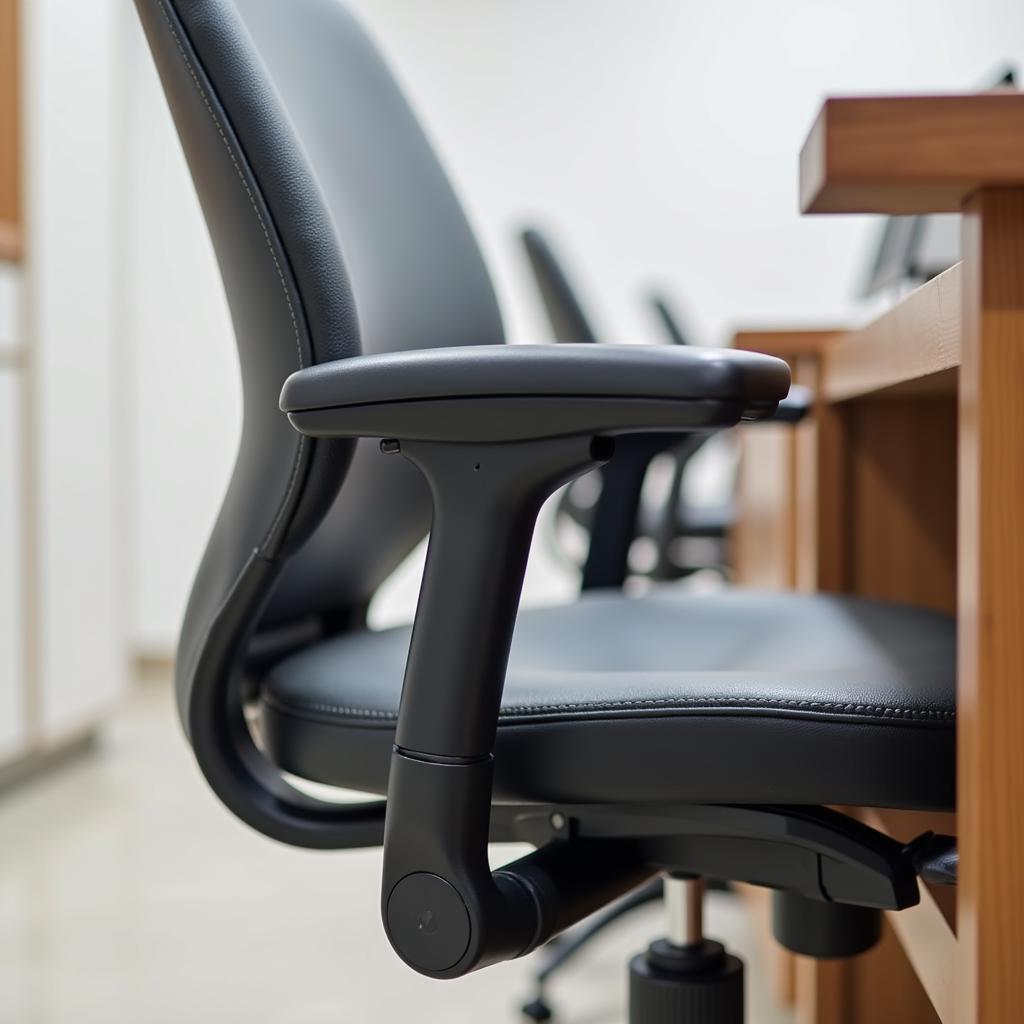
x,y
914,249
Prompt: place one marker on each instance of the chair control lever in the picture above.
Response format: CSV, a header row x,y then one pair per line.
x,y
936,858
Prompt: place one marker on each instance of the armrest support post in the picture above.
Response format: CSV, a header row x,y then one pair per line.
x,y
444,911
485,499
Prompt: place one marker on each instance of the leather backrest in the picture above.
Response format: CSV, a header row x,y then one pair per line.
x,y
336,233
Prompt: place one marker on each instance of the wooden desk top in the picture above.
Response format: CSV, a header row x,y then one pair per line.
x,y
917,154
913,348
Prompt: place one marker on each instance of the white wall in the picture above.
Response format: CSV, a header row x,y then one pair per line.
x,y
12,620
658,140
71,322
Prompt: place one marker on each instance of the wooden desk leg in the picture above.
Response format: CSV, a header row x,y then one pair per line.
x,y
822,991
832,554
879,987
990,727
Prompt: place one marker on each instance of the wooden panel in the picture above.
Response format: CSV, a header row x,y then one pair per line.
x,y
876,988
915,340
779,963
762,540
884,987
10,149
807,436
786,344
926,932
823,991
990,984
931,949
919,154
824,527
880,521
901,494
774,539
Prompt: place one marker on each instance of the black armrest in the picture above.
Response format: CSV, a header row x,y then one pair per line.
x,y
495,431
516,392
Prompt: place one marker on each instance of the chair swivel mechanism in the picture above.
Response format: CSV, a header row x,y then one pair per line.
x,y
621,737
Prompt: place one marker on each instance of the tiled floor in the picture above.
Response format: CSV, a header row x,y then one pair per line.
x,y
128,894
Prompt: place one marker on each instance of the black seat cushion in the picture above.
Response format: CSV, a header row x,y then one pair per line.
x,y
736,697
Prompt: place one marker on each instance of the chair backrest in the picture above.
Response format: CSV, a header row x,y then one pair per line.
x,y
565,314
337,233
669,321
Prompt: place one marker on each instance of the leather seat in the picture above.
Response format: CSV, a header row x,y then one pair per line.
x,y
736,697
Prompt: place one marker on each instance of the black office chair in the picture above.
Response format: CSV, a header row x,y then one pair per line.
x,y
614,520
679,526
618,517
627,736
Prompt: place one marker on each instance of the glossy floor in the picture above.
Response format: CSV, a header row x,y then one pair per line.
x,y
128,894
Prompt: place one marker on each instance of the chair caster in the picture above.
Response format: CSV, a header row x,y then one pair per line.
x,y
697,984
537,1010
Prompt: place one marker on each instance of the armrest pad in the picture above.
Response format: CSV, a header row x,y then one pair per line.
x,y
569,370
516,392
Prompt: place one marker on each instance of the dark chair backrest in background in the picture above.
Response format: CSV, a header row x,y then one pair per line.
x,y
336,233
669,321
614,520
565,314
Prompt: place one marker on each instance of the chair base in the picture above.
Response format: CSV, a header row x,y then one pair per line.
x,y
564,949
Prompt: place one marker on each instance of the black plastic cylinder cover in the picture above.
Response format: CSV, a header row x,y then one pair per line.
x,y
706,988
823,930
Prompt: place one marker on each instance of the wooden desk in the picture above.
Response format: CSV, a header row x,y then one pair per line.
x,y
907,485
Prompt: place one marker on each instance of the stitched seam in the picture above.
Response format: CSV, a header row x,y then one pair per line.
x,y
666,702
757,701
293,477
287,706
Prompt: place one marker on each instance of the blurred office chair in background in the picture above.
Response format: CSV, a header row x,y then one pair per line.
x,y
620,736
607,504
